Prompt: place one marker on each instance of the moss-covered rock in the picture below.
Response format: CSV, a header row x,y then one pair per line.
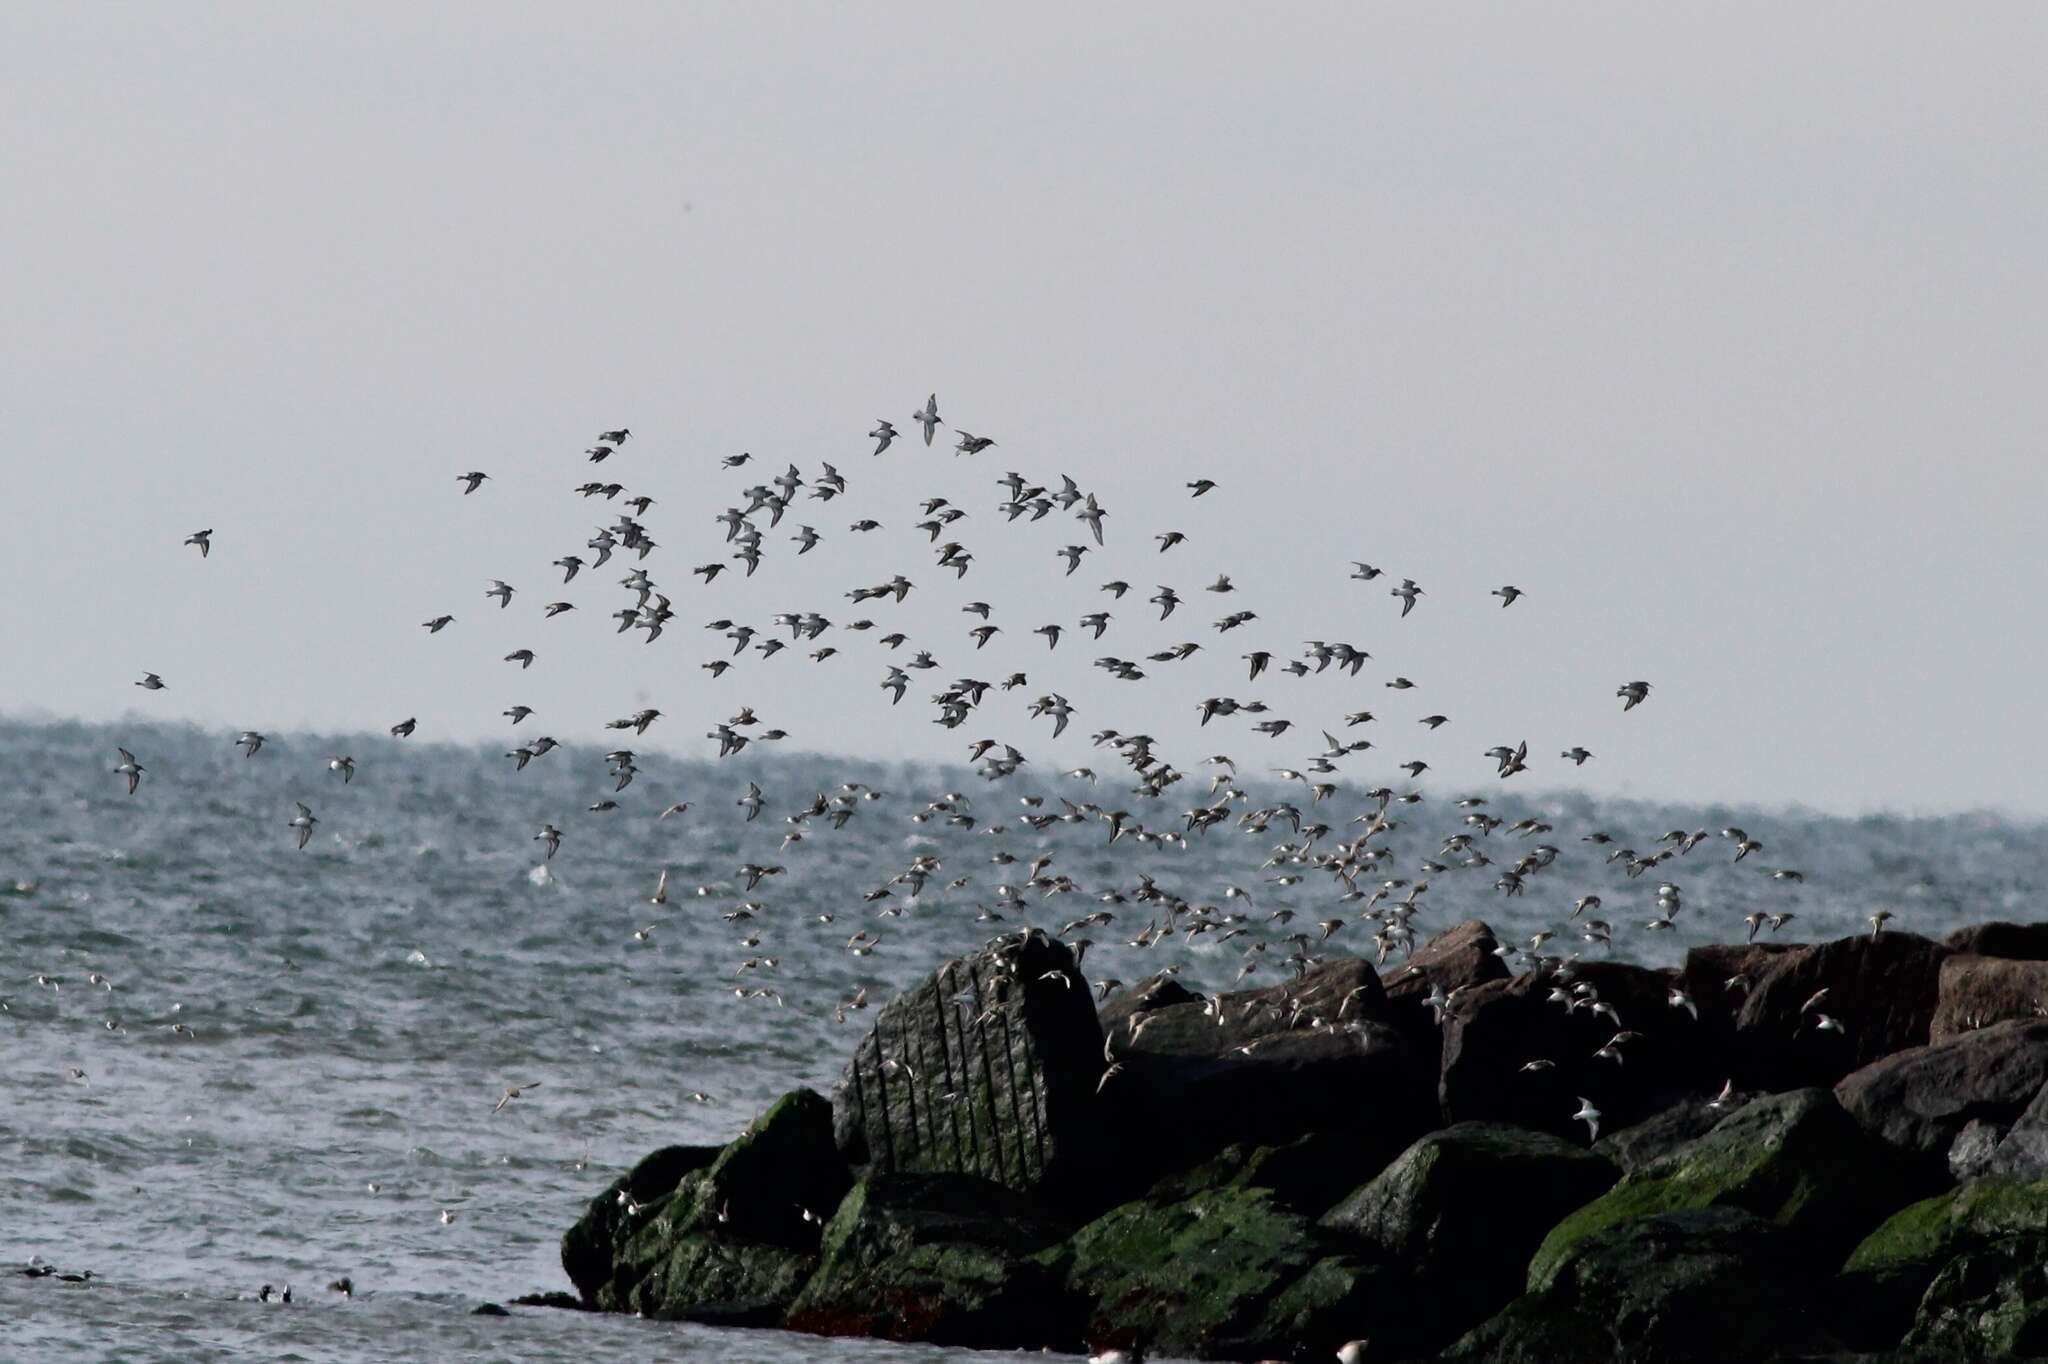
x,y
591,1246
1985,1304
733,1239
1225,1273
1457,1216
1706,1284
703,1275
1313,1174
1794,1159
1656,1137
1892,1267
938,1258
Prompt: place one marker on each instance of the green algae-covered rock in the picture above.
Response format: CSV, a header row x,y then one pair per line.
x,y
1308,1175
1225,1273
591,1246
1692,1287
734,1239
706,1276
1894,1265
939,1258
1795,1159
1457,1216
1988,1303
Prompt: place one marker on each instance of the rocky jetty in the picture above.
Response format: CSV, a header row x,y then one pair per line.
x,y
1393,1163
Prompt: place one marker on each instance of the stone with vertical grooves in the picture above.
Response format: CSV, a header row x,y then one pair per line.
x,y
987,1067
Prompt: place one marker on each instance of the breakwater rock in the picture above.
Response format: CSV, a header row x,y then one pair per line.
x,y
1827,1150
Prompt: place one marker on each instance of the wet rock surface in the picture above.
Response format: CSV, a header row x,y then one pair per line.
x,y
1274,1173
1457,1216
1706,1285
1976,991
1919,1100
990,1068
1881,989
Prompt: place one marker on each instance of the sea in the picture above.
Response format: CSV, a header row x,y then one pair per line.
x,y
290,1071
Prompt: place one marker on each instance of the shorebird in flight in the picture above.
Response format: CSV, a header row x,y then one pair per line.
x,y
514,1092
927,417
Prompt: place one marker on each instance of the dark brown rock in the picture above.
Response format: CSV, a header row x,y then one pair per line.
x,y
988,1067
1145,996
1458,958
1881,988
1976,991
2020,942
1283,1062
1498,1028
1918,1100
1709,970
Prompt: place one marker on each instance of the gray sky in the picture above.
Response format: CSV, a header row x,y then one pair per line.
x,y
1709,330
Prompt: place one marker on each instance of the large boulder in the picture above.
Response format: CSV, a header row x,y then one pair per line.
x,y
2021,1151
1221,1274
1643,1144
2020,942
1891,1268
1882,990
1975,992
938,1258
735,1239
591,1246
988,1067
1702,1286
1919,1100
1719,976
1794,1159
1499,1028
1985,1304
1457,1216
1309,1175
1459,958
1263,1067
1155,993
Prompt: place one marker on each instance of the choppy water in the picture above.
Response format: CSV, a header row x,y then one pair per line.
x,y
357,1008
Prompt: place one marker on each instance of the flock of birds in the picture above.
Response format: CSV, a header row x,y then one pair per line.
x,y
1298,829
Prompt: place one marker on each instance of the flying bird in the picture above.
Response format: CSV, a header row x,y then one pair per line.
x,y
928,417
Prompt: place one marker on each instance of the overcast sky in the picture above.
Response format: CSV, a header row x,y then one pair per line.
x,y
1712,332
